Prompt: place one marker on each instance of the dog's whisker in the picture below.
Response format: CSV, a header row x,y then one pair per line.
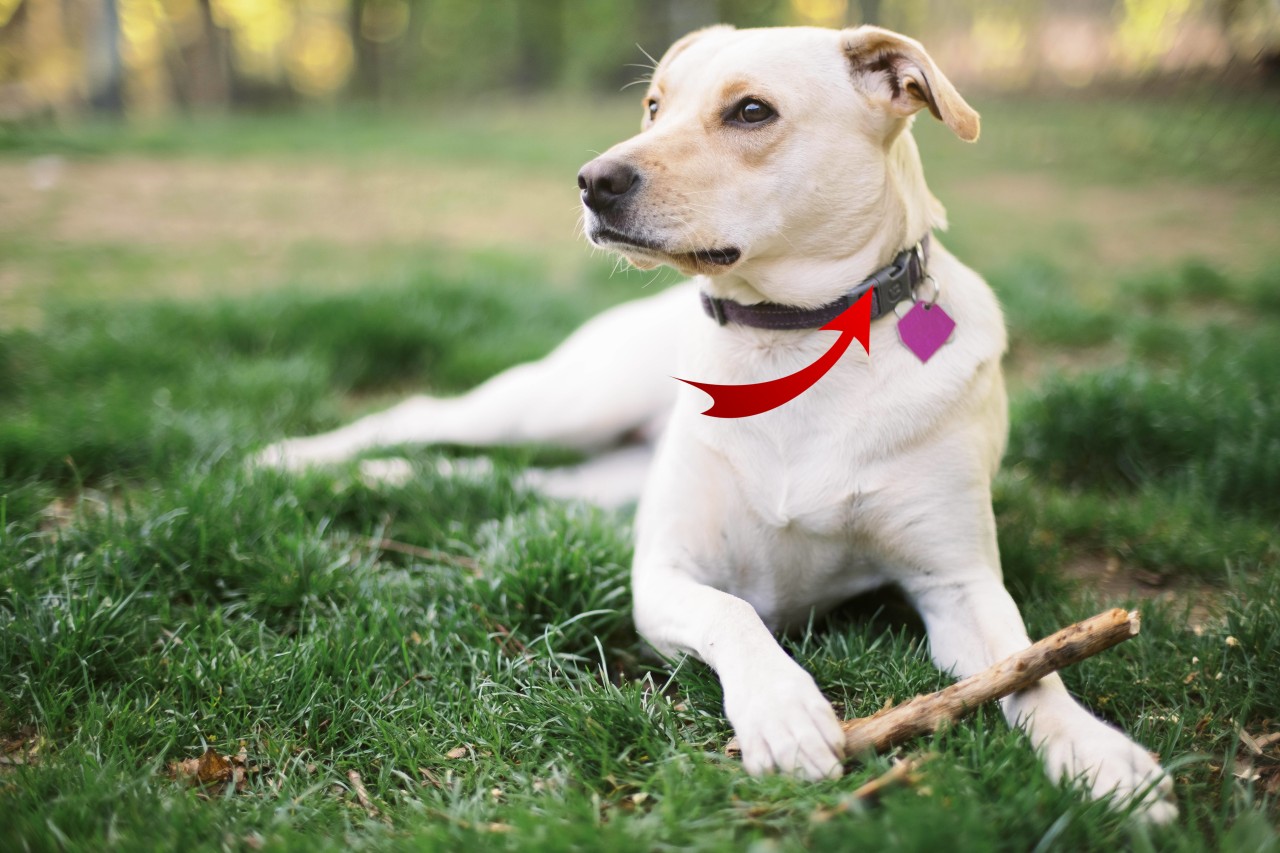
x,y
654,63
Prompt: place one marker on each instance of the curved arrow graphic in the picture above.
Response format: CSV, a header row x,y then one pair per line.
x,y
741,401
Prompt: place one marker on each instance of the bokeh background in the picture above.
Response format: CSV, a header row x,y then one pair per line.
x,y
154,57
223,222
202,147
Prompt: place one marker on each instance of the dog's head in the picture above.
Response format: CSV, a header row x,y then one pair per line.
x,y
763,145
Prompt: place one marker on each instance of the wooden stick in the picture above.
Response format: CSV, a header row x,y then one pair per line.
x,y
901,773
429,554
924,714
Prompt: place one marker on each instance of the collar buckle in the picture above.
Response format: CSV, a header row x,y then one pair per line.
x,y
893,283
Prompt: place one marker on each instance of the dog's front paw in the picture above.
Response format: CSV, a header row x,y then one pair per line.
x,y
1108,764
783,723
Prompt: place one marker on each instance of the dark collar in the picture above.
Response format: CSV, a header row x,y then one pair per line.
x,y
890,285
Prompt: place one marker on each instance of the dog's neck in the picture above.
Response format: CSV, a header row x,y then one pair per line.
x,y
903,210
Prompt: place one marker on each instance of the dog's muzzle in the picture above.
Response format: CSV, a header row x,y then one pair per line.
x,y
605,184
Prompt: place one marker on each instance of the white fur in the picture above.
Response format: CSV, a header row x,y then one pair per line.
x,y
879,474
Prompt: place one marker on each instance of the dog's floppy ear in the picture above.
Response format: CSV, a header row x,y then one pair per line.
x,y
899,70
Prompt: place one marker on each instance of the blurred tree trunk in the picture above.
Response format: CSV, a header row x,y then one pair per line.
x,y
103,69
685,16
747,13
43,43
1229,11
205,57
1234,13
653,26
366,76
659,23
377,29
540,31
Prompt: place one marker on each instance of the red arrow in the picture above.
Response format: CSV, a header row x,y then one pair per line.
x,y
741,401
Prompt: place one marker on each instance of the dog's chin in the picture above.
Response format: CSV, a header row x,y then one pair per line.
x,y
645,254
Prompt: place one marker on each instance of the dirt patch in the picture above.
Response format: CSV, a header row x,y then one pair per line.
x,y
1109,580
134,226
1106,228
184,202
1026,366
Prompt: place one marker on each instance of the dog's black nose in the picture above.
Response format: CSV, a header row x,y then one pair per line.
x,y
603,182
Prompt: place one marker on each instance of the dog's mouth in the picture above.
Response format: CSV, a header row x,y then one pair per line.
x,y
701,260
718,257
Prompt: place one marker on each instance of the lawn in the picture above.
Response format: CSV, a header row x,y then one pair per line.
x,y
451,663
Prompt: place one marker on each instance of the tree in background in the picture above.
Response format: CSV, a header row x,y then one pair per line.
x,y
154,56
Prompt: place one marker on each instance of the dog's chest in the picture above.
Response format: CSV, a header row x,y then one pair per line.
x,y
805,489
806,469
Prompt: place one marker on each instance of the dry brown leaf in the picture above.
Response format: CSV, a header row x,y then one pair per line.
x,y
1265,741
212,768
212,771
1258,761
1250,743
362,795
1244,770
456,752
185,770
24,748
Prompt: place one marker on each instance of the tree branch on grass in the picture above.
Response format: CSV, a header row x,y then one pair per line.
x,y
925,714
429,554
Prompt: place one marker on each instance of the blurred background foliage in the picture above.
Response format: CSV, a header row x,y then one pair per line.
x,y
155,57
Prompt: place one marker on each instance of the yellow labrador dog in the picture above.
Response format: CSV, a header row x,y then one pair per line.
x,y
778,168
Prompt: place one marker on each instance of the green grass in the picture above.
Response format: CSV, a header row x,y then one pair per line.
x,y
187,603
1130,137
541,132
156,598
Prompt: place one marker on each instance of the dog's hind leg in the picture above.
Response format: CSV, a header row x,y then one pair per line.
x,y
611,379
613,479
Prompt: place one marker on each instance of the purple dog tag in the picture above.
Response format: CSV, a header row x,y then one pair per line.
x,y
925,328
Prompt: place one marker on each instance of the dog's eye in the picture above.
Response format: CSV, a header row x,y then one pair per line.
x,y
653,110
752,111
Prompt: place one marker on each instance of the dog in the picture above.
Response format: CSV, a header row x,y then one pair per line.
x,y
777,167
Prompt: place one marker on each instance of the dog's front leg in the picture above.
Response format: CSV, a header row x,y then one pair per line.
x,y
781,719
972,623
